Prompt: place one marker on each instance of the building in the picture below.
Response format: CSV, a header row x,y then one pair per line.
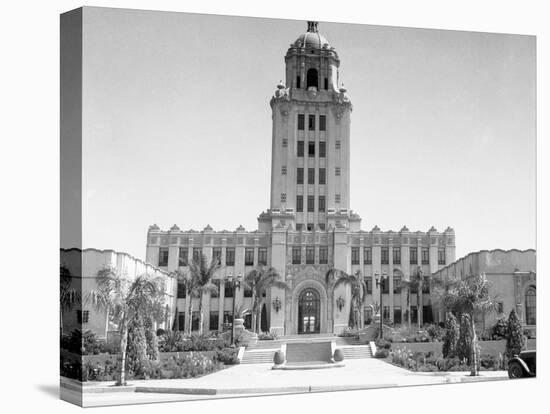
x,y
512,278
83,267
309,226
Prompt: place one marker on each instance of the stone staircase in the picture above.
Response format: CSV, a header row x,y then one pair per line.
x,y
259,356
356,351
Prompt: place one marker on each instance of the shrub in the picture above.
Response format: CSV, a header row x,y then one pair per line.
x,y
499,329
82,343
382,353
383,343
463,345
267,336
227,356
435,332
160,332
451,337
349,332
515,341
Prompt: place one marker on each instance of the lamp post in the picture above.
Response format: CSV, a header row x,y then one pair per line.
x,y
235,284
379,281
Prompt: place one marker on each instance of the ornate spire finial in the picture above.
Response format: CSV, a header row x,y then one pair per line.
x,y
312,26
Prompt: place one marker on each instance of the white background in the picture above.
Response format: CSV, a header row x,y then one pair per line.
x,y
29,161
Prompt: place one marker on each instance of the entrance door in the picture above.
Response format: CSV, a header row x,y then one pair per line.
x,y
309,312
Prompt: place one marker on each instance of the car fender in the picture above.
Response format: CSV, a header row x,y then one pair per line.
x,y
523,364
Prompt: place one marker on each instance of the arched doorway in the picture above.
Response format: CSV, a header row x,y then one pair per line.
x,y
309,312
312,78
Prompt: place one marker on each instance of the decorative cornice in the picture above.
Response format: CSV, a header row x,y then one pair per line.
x,y
485,251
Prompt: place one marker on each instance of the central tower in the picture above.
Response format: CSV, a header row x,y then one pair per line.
x,y
310,167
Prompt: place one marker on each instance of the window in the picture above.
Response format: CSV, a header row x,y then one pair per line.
x,y
310,226
195,321
322,149
441,256
396,255
283,197
299,226
337,198
396,283
321,203
217,254
367,255
298,82
326,83
323,255
337,144
311,122
531,306
355,255
368,315
385,255
215,293
262,256
301,122
414,314
413,255
385,284
322,122
230,256
386,313
300,148
299,176
337,171
182,292
369,285
426,285
228,290
285,142
82,316
310,255
283,170
396,314
311,175
322,176
182,257
248,321
249,256
310,204
414,288
163,256
296,255
227,317
214,319
311,148
197,253
312,78
299,204
427,316
247,292
321,225
181,321
425,256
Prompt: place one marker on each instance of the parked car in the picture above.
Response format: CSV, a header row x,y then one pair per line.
x,y
523,365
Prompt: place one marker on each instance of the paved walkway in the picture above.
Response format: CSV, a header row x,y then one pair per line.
x,y
260,379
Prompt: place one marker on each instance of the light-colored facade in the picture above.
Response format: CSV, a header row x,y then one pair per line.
x,y
309,227
512,277
84,265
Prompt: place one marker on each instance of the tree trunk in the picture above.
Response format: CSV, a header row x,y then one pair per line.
x,y
409,306
419,310
201,316
123,347
189,314
474,356
254,311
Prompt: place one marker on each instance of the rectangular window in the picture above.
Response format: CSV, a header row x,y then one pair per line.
x,y
322,122
385,255
217,254
197,253
326,83
299,175
323,255
310,204
247,292
296,255
301,122
283,197
427,316
414,314
82,316
337,198
321,225
195,321
182,257
228,290
248,321
396,255
299,204
322,149
369,285
298,82
230,256
321,203
300,148
310,226
425,256
310,255
285,142
368,315
311,148
322,176
299,226
249,257
214,319
337,171
367,255
441,256
396,284
414,288
413,255
396,314
182,292
355,255
163,256
311,175
283,170
215,293
262,256
227,318
385,285
500,307
311,122
181,321
426,285
386,313
337,144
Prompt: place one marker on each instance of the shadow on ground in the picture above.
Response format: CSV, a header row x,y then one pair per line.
x,y
49,389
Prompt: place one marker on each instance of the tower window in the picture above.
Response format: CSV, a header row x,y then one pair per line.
x,y
299,203
285,142
425,256
367,255
300,176
229,257
249,257
323,255
326,83
301,122
311,122
310,204
296,255
312,78
310,255
163,257
322,176
283,197
300,148
385,256
283,170
310,226
298,82
397,255
355,255
311,175
262,256
311,148
413,256
322,122
322,149
337,198
321,203
299,226
337,171
337,144
441,256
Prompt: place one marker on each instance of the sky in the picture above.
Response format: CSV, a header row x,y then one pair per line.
x,y
177,126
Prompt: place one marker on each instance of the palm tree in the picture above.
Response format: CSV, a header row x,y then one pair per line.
x,y
68,296
259,280
414,283
190,283
125,301
336,277
469,296
202,274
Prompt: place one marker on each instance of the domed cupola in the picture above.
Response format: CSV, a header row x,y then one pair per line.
x,y
312,38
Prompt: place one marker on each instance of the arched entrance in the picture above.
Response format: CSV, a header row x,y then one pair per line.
x,y
309,312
